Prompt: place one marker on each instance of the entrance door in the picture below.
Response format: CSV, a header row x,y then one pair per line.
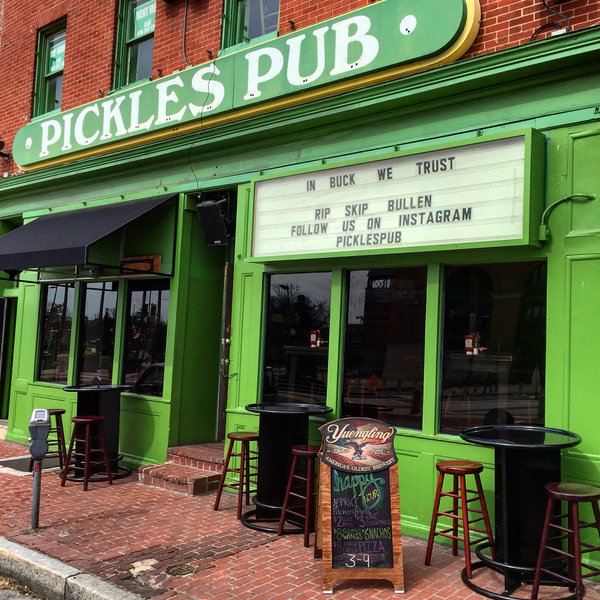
x,y
7,329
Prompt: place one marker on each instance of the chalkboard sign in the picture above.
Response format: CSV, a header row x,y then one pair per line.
x,y
361,521
359,503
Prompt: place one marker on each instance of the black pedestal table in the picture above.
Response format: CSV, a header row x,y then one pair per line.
x,y
103,400
526,458
281,426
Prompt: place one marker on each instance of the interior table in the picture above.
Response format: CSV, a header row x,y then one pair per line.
x,y
281,426
526,458
103,400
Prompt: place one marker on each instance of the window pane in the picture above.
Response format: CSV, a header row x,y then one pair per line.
x,y
494,354
56,52
142,18
259,17
97,333
49,69
54,92
146,336
140,60
384,343
297,338
55,334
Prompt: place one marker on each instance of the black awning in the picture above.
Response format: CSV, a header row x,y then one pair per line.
x,y
64,238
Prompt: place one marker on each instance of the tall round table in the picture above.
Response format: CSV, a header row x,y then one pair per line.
x,y
281,426
103,399
526,458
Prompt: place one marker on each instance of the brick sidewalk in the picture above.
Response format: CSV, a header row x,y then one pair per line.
x,y
130,534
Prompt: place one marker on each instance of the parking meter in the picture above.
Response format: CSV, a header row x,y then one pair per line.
x,y
39,428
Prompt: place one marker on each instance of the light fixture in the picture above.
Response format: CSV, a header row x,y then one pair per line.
x,y
4,155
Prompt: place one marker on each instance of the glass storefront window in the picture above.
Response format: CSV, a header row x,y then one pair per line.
x,y
55,335
97,332
297,338
494,336
146,336
384,345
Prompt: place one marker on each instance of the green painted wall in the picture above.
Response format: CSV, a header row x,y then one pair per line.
x,y
187,412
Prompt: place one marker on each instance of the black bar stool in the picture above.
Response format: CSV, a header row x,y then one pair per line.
x,y
57,447
87,449
304,511
459,512
572,494
246,472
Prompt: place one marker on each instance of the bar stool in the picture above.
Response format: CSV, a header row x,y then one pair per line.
x,y
459,513
572,494
88,443
56,439
246,472
307,495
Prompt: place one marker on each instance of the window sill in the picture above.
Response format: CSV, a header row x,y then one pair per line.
x,y
56,111
249,44
128,86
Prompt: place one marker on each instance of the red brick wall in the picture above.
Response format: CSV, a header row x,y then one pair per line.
x,y
91,39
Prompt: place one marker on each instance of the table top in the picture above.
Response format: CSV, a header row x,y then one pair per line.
x,y
289,408
532,437
97,387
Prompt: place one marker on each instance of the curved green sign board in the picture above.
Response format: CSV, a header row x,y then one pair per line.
x,y
377,43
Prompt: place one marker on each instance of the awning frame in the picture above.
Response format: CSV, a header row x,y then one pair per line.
x,y
84,271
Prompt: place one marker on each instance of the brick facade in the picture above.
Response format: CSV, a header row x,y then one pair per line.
x,y
91,30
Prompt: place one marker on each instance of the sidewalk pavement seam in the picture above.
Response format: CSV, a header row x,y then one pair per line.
x,y
53,579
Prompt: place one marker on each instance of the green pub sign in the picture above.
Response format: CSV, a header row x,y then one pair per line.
x,y
377,43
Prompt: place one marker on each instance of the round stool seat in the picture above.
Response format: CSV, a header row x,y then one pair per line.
x,y
245,472
573,492
84,419
56,411
243,436
304,450
459,467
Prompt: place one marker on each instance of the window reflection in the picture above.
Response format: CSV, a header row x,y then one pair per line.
x,y
297,338
384,341
97,342
146,336
55,338
494,345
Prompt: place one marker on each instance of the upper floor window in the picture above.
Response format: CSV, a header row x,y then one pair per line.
x,y
135,41
249,19
49,68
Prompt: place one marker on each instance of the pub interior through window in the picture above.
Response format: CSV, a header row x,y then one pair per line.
x,y
146,336
494,345
55,334
384,345
297,338
97,331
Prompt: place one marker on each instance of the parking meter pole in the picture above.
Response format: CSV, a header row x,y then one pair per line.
x,y
39,427
35,501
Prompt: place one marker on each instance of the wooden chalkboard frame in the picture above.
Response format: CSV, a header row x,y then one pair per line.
x,y
395,574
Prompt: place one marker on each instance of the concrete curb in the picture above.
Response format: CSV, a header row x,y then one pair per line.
x,y
53,579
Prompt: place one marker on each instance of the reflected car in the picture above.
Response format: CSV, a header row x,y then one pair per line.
x,y
150,382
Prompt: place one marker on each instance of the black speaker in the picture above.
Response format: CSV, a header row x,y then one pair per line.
x,y
214,221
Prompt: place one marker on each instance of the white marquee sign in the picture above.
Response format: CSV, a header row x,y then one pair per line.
x,y
468,194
